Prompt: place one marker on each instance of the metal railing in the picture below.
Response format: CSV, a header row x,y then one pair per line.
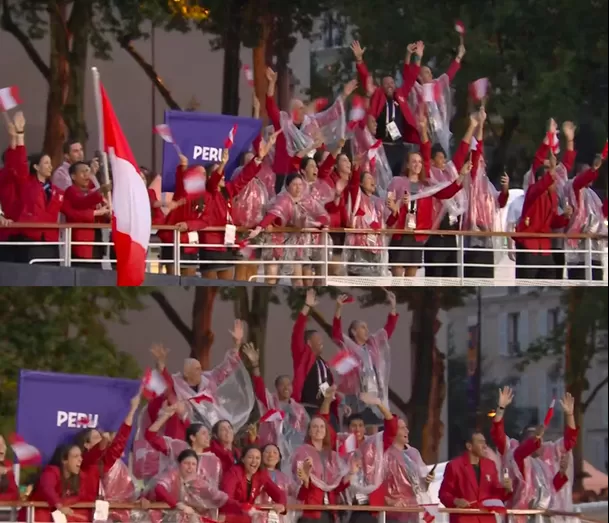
x,y
384,512
313,257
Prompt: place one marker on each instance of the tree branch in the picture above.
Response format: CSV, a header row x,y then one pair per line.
x,y
125,43
594,392
172,315
7,23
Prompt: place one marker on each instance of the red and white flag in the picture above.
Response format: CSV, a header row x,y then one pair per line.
x,y
358,111
372,154
496,506
230,139
348,446
605,151
431,512
343,363
272,415
553,142
479,89
131,219
202,398
153,384
26,454
432,92
9,98
549,414
473,144
249,75
195,181
164,132
460,27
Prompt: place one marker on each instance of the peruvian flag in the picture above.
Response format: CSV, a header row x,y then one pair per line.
x,y
202,398
343,363
9,98
496,506
249,75
26,454
153,384
373,148
348,446
164,132
553,142
272,415
479,89
230,139
195,181
460,27
605,151
431,512
473,144
131,219
358,111
549,414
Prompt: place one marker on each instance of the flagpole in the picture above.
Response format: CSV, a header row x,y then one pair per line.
x,y
100,127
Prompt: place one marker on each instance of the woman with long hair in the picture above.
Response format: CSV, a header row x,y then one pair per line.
x,y
63,483
324,475
223,444
245,482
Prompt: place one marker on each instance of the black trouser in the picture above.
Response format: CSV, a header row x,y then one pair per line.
x,y
474,256
444,253
325,517
525,259
579,271
8,252
363,517
396,154
558,260
279,182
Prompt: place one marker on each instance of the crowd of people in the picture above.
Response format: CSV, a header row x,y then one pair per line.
x,y
397,175
198,450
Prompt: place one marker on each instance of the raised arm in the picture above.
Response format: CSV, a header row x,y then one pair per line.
x,y
271,106
337,327
117,447
462,152
360,65
253,356
455,65
568,157
299,346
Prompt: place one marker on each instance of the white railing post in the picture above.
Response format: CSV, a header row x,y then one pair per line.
x,y
67,247
29,511
460,257
324,268
382,518
176,252
588,255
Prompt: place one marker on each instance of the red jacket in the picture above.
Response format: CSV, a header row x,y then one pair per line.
x,y
50,490
282,163
79,207
234,483
529,446
539,215
12,490
15,168
460,482
227,458
313,495
424,210
378,100
158,217
35,208
303,360
218,205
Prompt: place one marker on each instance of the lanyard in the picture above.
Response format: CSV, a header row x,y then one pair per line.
x,y
322,372
390,109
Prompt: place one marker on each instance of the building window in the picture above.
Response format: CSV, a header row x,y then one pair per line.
x,y
513,341
333,31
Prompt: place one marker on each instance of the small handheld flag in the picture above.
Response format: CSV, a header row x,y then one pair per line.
x,y
9,98
605,151
153,384
479,89
249,75
549,414
164,132
230,139
343,363
26,454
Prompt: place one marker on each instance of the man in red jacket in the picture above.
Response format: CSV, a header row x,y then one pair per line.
x,y
395,123
312,376
539,215
471,481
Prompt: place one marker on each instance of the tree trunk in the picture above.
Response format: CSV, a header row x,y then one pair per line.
x,y
203,335
232,62
258,320
260,62
422,428
79,27
55,130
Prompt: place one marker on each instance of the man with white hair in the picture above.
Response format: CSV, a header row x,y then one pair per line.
x,y
200,389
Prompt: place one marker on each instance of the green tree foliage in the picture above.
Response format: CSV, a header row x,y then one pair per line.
x,y
543,59
61,330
